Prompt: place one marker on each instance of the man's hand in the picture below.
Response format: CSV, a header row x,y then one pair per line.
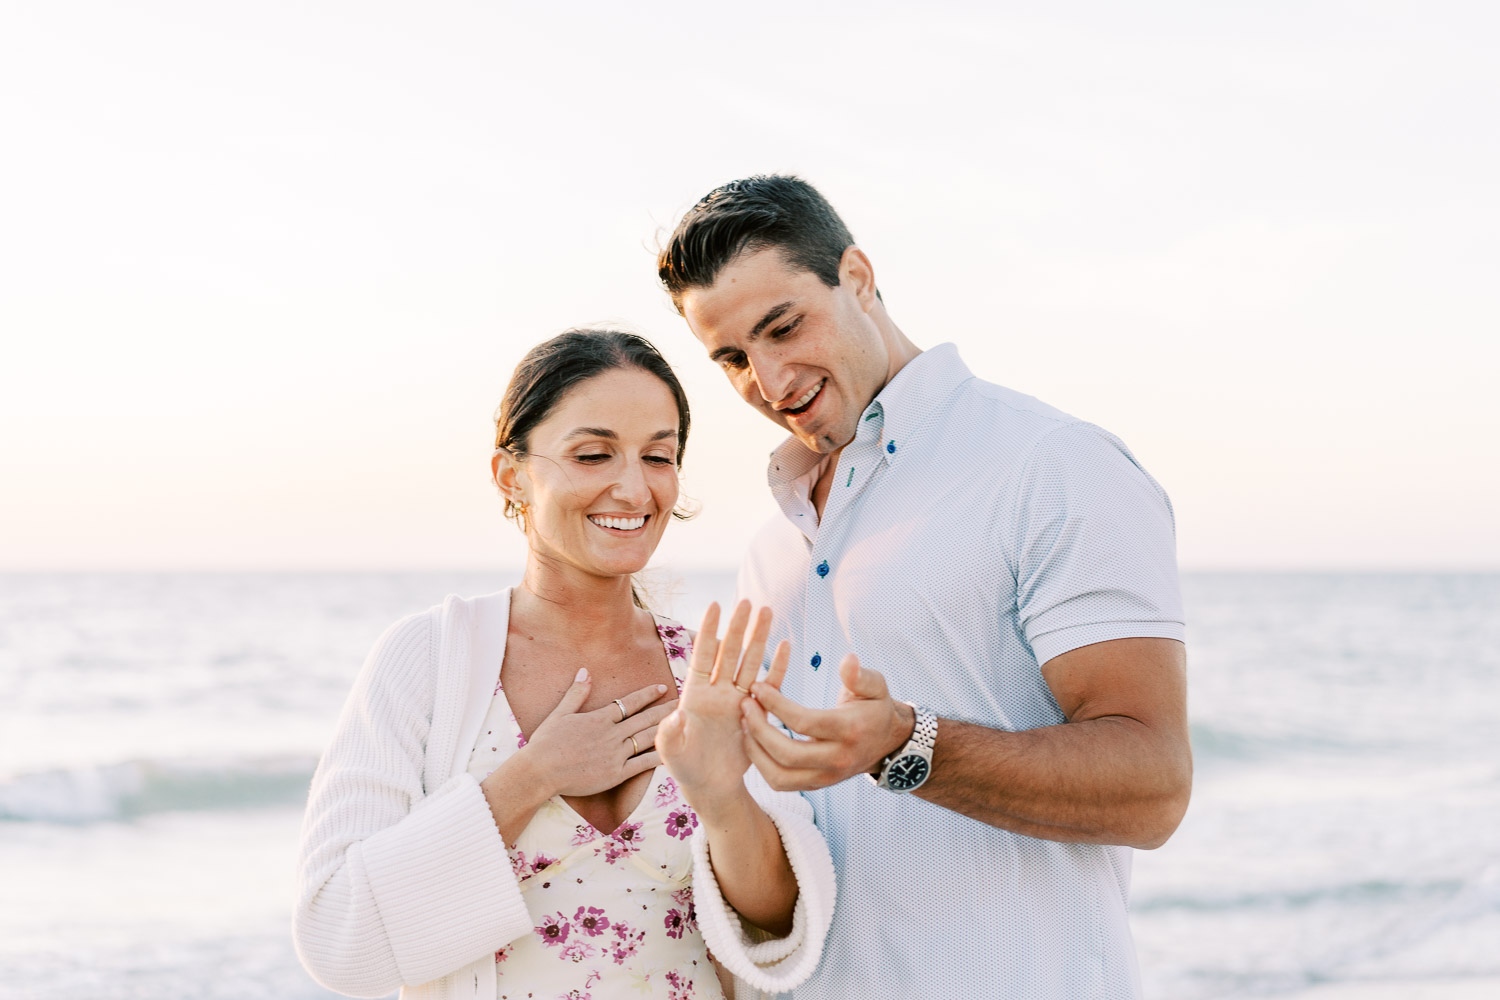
x,y
864,727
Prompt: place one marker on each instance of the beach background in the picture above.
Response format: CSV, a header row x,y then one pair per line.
x,y
161,731
265,269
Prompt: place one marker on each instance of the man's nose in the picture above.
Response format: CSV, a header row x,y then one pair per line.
x,y
772,379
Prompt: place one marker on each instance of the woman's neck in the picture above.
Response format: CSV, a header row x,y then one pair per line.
x,y
555,597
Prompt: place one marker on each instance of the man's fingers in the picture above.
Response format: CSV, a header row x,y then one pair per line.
x,y
572,698
780,747
783,779
729,649
748,667
860,682
820,723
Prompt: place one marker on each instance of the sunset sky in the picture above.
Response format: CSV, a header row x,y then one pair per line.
x,y
266,268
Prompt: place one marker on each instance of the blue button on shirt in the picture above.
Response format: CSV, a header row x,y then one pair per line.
x,y
1007,533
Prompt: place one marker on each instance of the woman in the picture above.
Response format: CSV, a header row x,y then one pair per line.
x,y
492,819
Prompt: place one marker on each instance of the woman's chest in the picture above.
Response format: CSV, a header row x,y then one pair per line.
x,y
535,680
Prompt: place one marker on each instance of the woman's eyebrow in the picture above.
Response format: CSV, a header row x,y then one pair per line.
x,y
603,432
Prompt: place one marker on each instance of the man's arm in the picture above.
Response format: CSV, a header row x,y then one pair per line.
x,y
1119,771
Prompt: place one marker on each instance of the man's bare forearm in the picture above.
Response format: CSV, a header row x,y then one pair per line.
x,y
1109,780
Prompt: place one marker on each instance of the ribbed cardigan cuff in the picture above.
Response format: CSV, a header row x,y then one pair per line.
x,y
443,884
773,965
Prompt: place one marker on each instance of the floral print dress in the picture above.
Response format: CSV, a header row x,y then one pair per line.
x,y
613,909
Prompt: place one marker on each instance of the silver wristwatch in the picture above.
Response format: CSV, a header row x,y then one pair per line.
x,y
908,767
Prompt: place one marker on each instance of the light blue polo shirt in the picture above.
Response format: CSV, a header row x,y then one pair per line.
x,y
971,534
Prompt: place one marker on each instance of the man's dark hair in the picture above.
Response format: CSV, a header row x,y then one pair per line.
x,y
767,210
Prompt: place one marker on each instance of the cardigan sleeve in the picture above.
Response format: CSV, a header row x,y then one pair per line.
x,y
772,965
398,884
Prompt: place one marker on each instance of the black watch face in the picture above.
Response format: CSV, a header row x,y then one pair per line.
x,y
907,772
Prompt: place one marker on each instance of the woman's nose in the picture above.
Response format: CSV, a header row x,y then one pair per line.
x,y
631,486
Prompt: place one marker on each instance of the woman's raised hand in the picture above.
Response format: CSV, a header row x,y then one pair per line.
x,y
702,741
582,753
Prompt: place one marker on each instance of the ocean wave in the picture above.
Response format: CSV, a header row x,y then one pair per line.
x,y
134,788
1356,894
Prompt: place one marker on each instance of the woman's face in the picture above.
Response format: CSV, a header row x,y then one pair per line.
x,y
599,477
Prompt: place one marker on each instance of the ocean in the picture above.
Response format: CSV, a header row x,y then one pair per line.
x,y
158,731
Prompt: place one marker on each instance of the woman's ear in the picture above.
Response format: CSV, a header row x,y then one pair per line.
x,y
506,472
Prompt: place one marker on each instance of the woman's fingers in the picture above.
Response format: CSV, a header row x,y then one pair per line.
x,y
729,650
779,659
632,702
572,698
705,647
641,721
641,762
645,739
748,667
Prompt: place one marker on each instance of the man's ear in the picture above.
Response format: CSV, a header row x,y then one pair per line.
x,y
855,269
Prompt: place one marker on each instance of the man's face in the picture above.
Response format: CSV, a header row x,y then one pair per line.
x,y
809,357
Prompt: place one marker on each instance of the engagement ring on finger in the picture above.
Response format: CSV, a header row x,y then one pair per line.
x,y
621,706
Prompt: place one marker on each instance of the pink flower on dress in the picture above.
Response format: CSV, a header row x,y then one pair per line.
x,y
675,923
629,942
541,861
681,823
680,989
497,685
504,953
624,841
593,977
576,994
553,930
683,896
582,834
673,637
576,951
591,920
666,794
518,865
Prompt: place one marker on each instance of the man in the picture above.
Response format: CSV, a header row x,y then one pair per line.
x,y
1006,569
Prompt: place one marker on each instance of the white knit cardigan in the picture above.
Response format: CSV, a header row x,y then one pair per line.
x,y
405,880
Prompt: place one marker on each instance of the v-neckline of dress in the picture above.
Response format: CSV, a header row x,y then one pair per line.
x,y
655,782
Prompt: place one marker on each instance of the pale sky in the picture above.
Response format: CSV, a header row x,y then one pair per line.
x,y
266,268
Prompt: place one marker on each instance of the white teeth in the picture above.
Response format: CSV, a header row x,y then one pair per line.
x,y
799,404
619,523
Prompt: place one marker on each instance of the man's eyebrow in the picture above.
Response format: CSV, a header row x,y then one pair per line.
x,y
772,315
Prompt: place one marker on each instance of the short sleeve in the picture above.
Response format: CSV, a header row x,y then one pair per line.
x,y
1095,546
